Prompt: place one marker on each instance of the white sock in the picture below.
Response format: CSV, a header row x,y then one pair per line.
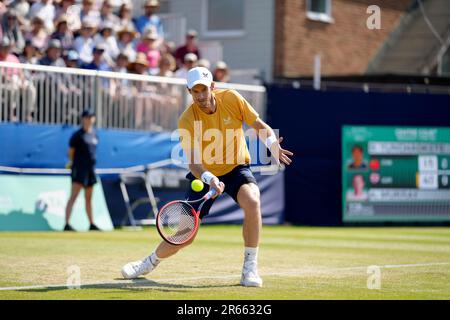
x,y
251,254
154,259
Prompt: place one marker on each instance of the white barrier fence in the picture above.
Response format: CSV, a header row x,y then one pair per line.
x,y
54,95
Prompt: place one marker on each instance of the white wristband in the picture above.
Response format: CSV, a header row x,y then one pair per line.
x,y
270,140
207,177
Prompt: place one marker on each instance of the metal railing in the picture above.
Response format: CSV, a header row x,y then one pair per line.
x,y
362,86
54,95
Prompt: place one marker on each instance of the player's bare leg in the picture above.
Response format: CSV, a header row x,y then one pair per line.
x,y
164,250
76,188
249,200
88,203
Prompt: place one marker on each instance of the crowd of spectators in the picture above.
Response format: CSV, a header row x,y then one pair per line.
x,y
96,34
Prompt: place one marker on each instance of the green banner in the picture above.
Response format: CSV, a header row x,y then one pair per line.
x,y
395,174
36,203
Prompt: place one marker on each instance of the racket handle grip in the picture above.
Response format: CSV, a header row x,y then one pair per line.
x,y
211,193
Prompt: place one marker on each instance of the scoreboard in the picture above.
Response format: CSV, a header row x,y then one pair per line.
x,y
394,174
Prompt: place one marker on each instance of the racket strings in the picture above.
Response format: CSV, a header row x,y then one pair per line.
x,y
177,222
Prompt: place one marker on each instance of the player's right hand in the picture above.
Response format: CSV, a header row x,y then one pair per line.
x,y
218,186
69,165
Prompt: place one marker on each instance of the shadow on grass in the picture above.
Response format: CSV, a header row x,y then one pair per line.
x,y
138,284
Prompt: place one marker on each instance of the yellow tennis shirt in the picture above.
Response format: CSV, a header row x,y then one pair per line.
x,y
218,138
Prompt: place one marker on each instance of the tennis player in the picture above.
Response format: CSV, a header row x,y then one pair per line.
x,y
225,169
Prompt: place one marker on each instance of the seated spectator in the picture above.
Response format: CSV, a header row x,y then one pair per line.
x,y
13,82
63,33
7,56
29,54
150,19
189,47
37,35
149,46
107,38
22,7
53,55
168,47
121,66
98,62
204,63
125,18
88,12
121,63
221,72
189,62
84,43
106,13
139,65
3,8
72,59
72,12
167,66
125,43
46,11
11,29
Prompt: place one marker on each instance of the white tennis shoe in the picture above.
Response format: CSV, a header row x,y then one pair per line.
x,y
250,276
139,268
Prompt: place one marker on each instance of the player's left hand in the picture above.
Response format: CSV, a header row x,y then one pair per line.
x,y
280,154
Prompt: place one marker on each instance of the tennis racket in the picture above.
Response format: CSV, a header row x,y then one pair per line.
x,y
177,222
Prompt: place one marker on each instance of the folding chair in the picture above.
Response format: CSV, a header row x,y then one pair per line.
x,y
138,179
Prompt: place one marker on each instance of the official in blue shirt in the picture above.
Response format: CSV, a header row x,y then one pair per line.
x,y
82,149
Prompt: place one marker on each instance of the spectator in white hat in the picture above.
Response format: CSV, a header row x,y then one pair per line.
x,y
125,18
72,12
89,12
106,13
107,37
190,60
84,43
221,72
53,55
204,63
10,28
46,11
71,59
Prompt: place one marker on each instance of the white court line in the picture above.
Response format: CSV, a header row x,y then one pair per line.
x,y
293,273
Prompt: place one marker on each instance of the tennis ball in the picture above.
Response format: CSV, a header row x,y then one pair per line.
x,y
197,185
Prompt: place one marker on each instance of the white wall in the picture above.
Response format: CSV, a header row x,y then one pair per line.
x,y
253,50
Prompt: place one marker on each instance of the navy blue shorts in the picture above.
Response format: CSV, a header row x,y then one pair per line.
x,y
233,181
85,176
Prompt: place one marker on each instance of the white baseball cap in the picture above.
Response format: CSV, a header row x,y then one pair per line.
x,y
199,75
